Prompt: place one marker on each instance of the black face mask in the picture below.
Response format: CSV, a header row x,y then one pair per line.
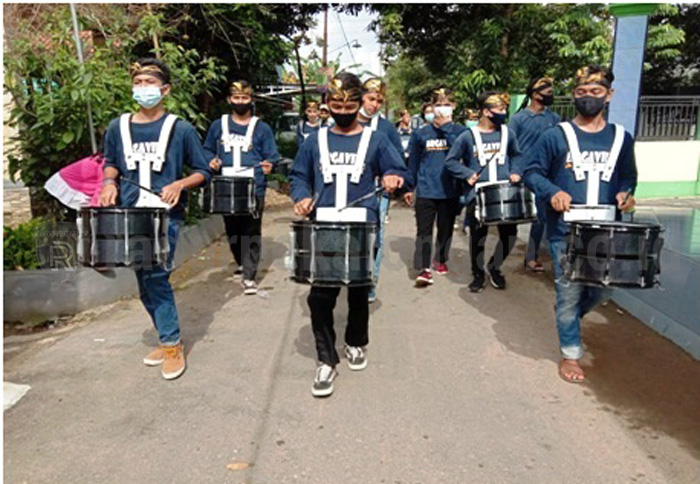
x,y
589,106
547,99
344,120
498,118
241,108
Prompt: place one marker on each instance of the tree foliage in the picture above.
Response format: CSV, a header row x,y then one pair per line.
x,y
474,47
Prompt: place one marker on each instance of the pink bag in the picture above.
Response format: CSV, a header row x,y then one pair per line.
x,y
78,182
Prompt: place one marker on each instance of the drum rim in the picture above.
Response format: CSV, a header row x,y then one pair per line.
x,y
623,226
125,209
328,224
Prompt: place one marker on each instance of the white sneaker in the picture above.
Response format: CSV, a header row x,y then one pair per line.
x,y
238,273
357,357
323,382
249,287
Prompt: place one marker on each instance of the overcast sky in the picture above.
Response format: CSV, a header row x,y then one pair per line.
x,y
355,29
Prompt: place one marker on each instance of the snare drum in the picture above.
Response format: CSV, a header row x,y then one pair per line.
x,y
230,196
332,254
505,202
615,254
114,237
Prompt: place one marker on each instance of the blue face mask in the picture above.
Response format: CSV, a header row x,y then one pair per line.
x,y
472,123
429,117
148,96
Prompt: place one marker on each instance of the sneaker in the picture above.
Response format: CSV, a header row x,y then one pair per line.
x,y
357,357
249,287
478,284
372,294
497,279
173,361
440,268
155,357
425,278
238,273
323,382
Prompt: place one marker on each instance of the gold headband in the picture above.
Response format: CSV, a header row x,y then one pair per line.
x,y
495,99
137,69
312,104
583,76
543,81
237,88
375,85
336,92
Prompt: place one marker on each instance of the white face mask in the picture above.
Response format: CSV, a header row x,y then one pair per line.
x,y
369,116
444,111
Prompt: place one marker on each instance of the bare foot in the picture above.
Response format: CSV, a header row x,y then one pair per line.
x,y
571,371
534,266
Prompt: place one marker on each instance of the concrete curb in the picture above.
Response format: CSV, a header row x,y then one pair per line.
x,y
41,295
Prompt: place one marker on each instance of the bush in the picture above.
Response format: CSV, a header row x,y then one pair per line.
x,y
20,245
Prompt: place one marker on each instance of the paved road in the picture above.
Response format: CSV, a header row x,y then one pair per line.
x,y
460,388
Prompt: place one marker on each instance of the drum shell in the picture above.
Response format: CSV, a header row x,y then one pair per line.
x,y
330,256
103,237
505,203
230,196
614,254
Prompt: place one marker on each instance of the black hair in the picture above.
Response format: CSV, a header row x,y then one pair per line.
x,y
481,100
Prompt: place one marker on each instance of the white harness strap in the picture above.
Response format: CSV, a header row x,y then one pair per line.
x,y
374,123
233,143
500,157
342,174
591,168
146,162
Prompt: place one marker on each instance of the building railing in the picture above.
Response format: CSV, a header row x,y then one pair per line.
x,y
659,117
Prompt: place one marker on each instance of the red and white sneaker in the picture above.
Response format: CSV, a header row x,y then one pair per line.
x,y
425,278
440,268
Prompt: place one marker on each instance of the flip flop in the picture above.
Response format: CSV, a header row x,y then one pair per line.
x,y
568,363
536,267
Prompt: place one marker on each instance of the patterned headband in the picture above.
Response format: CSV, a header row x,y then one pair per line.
x,y
337,93
375,85
443,93
543,82
137,69
585,76
312,104
238,88
497,99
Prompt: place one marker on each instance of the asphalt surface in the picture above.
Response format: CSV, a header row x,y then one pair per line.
x,y
460,388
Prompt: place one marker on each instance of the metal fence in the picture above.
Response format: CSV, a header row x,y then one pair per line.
x,y
659,117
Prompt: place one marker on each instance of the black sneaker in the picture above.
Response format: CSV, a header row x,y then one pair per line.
x,y
238,273
478,284
357,357
323,382
497,279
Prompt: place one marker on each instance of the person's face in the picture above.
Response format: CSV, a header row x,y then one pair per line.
x,y
444,102
239,98
343,107
146,80
548,91
406,118
312,114
372,102
496,109
324,114
427,110
595,90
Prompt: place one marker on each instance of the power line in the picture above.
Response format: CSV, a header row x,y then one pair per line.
x,y
342,29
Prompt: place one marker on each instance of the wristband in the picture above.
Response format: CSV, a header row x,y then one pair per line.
x,y
110,181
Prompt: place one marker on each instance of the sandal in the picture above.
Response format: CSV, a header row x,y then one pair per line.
x,y
570,371
534,266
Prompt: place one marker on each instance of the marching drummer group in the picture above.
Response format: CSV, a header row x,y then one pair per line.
x,y
349,159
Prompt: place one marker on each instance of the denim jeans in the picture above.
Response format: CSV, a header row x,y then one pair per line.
x,y
536,232
574,300
157,294
383,210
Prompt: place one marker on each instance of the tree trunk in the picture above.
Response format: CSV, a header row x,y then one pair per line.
x,y
508,14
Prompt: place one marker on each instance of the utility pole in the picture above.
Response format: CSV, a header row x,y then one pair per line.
x,y
325,36
79,48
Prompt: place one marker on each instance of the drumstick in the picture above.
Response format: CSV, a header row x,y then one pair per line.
x,y
478,173
363,197
140,186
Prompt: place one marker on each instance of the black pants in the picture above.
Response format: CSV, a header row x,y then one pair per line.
x,y
427,209
322,302
244,238
507,234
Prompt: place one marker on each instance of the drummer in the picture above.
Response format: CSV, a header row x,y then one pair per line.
x,y
500,163
260,154
551,174
370,115
528,124
437,192
308,125
314,188
150,80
